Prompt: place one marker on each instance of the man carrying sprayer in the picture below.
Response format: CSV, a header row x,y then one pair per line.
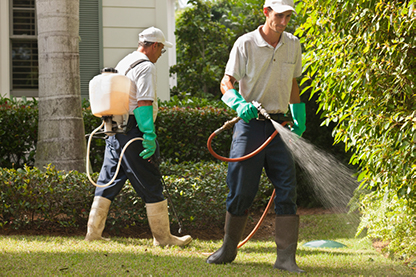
x,y
265,62
136,166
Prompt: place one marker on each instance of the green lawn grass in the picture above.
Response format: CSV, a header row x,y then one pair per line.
x,y
46,255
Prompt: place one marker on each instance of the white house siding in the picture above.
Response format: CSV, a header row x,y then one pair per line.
x,y
4,49
123,20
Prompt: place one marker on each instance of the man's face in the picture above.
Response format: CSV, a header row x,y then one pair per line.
x,y
277,22
157,50
160,49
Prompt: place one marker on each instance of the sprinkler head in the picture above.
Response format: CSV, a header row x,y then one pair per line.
x,y
324,244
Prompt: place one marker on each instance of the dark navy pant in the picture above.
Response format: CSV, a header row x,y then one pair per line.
x,y
143,175
243,177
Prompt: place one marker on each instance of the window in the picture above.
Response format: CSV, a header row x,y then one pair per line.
x,y
24,45
24,48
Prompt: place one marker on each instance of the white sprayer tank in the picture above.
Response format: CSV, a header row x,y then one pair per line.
x,y
109,93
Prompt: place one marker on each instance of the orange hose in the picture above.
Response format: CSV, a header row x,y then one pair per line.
x,y
242,159
252,154
263,216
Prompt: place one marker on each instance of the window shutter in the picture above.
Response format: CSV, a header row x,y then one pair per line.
x,y
90,46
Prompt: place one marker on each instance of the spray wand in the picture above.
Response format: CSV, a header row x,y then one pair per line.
x,y
156,162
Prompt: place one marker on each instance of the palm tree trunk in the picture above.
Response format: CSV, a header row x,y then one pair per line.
x,y
61,136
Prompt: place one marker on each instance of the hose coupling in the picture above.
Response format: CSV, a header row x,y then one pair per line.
x,y
227,125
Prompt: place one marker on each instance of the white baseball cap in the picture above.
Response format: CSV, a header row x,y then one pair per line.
x,y
280,6
153,34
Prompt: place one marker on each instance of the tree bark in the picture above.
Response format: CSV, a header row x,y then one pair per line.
x,y
61,136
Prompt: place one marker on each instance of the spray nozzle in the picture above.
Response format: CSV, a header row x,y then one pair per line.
x,y
261,110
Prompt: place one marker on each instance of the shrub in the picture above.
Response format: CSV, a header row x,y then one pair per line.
x,y
360,61
183,127
30,197
53,199
203,47
391,219
97,147
183,133
18,132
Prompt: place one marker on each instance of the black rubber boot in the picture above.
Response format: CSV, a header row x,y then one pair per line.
x,y
286,238
234,229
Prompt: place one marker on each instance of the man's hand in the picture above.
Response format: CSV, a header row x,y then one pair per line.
x,y
144,118
149,148
246,111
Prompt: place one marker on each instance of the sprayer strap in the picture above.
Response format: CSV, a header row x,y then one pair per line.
x,y
133,65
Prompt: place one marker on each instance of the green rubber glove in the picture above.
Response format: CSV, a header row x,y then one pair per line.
x,y
299,118
246,111
144,118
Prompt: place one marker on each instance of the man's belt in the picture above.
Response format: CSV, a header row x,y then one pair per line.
x,y
279,117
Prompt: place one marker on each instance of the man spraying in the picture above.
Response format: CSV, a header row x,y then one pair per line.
x,y
143,175
265,63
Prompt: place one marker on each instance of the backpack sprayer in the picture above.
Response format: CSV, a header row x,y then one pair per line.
x,y
109,98
228,125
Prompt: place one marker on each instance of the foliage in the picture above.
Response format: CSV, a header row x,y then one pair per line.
x,y
18,132
239,16
173,127
183,132
360,61
200,188
32,197
391,219
191,102
203,46
97,147
53,199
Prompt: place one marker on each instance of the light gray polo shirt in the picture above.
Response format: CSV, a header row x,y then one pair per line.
x,y
265,73
143,78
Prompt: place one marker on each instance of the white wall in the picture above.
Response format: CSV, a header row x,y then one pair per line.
x,y
4,49
123,20
171,37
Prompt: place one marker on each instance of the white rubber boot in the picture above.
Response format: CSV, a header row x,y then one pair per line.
x,y
157,214
97,218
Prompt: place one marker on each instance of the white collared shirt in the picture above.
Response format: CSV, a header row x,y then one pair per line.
x,y
265,73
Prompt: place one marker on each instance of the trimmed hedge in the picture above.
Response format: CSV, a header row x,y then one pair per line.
x,y
183,127
53,199
18,132
182,131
